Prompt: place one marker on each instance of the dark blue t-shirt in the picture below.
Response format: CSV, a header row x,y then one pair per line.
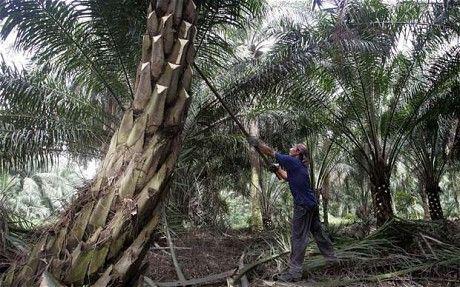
x,y
298,178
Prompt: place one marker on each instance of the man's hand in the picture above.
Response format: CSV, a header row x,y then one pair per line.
x,y
273,167
280,173
253,141
260,146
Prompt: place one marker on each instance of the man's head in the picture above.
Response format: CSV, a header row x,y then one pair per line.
x,y
300,151
297,149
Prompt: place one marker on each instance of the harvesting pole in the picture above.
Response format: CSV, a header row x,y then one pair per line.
x,y
232,115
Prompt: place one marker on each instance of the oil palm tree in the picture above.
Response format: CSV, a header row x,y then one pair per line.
x,y
429,152
211,126
350,67
103,236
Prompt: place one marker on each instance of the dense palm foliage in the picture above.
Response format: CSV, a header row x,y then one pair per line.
x,y
339,85
350,66
84,62
83,44
357,72
371,88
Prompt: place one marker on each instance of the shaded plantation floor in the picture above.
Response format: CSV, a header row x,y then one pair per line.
x,y
201,253
423,259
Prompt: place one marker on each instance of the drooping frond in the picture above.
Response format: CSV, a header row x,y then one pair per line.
x,y
62,38
42,117
214,16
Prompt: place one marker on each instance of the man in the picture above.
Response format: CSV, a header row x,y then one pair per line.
x,y
294,169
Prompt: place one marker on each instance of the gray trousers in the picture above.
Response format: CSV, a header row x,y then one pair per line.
x,y
304,221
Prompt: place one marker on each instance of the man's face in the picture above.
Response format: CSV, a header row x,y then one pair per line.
x,y
294,151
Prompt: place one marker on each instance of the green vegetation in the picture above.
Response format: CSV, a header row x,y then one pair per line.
x,y
372,88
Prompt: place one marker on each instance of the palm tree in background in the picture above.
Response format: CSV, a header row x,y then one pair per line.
x,y
345,65
209,130
429,152
43,117
41,195
351,69
102,237
325,156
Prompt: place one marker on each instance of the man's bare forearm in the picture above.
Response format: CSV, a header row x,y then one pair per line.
x,y
281,174
265,149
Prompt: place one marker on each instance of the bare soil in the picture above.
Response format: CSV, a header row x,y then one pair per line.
x,y
201,253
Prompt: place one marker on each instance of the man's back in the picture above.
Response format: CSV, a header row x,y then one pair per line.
x,y
299,180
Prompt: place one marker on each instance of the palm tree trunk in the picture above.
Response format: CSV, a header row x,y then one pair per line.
x,y
256,180
343,203
433,190
103,236
381,196
424,198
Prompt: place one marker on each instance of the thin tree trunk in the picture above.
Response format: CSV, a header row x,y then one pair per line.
x,y
256,186
343,204
452,176
325,212
364,208
456,141
365,200
326,195
102,238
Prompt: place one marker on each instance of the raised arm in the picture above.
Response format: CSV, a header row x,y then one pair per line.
x,y
261,146
266,150
281,174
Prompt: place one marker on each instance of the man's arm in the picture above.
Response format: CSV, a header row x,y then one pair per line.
x,y
265,149
281,174
261,146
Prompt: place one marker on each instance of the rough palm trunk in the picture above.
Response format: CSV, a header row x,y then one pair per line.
x,y
256,185
433,190
363,211
101,239
424,198
380,189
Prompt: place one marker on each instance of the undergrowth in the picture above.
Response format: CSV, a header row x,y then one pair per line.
x,y
417,251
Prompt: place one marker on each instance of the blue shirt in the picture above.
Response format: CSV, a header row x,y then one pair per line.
x,y
298,178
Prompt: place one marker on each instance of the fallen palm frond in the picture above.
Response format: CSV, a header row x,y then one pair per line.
x,y
171,247
245,269
399,248
231,276
215,278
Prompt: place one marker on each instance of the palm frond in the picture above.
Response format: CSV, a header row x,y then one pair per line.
x,y
43,117
62,41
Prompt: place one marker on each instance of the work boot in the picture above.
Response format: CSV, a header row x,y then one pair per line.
x,y
287,277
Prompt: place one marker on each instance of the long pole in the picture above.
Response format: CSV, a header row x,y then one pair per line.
x,y
224,104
